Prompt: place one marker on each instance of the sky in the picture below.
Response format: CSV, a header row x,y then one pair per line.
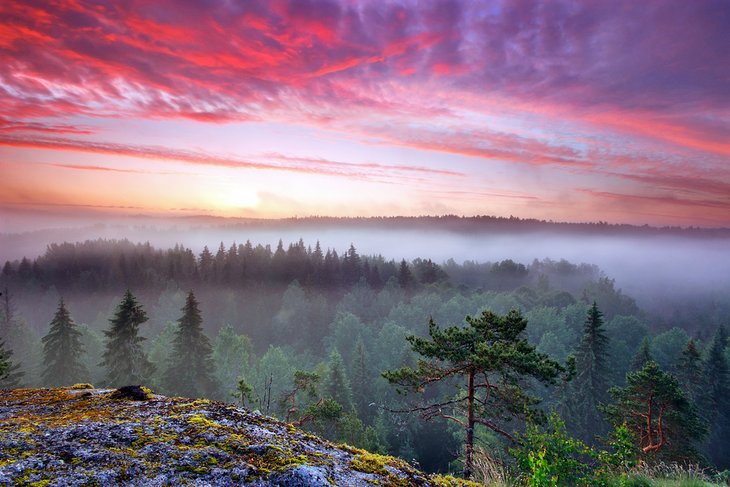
x,y
601,110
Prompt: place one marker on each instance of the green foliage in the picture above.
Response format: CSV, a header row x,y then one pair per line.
x,y
10,372
5,362
63,351
244,392
715,400
337,384
549,457
689,370
232,357
622,456
124,359
667,347
643,355
190,365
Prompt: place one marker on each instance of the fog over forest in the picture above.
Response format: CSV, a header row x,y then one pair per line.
x,y
652,265
330,302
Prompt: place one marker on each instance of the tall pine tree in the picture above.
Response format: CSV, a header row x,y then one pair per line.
x,y
662,420
62,351
125,361
190,371
494,358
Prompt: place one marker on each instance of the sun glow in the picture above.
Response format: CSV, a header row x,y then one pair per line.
x,y
237,199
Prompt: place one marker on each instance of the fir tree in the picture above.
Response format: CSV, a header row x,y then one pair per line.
x,y
689,370
405,276
62,351
715,400
494,356
590,387
124,359
361,387
337,386
190,370
5,363
642,356
10,373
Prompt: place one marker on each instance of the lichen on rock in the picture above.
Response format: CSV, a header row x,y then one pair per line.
x,y
82,436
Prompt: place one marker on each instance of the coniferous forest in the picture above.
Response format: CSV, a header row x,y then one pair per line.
x,y
529,369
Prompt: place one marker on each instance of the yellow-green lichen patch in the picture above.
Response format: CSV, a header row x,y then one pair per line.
x,y
202,421
451,481
79,386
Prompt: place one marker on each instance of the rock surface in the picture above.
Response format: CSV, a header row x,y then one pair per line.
x,y
83,436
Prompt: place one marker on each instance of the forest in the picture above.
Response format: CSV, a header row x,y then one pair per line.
x,y
543,367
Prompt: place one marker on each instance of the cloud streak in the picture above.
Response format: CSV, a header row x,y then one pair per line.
x,y
275,162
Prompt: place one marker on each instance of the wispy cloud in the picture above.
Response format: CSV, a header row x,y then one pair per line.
x,y
271,161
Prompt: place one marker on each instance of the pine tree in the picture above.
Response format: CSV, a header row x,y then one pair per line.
x,y
715,400
190,371
124,359
662,420
62,351
494,356
590,386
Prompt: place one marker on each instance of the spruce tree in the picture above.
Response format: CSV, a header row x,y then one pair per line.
x,y
689,370
125,361
10,373
5,363
590,386
361,387
190,370
715,400
642,356
337,386
62,351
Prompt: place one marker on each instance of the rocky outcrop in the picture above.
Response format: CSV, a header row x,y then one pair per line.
x,y
85,436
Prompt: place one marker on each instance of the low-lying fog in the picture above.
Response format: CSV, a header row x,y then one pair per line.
x,y
649,267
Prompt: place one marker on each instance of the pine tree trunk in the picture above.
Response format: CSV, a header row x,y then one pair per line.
x,y
469,453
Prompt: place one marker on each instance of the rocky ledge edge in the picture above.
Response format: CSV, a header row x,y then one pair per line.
x,y
82,436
